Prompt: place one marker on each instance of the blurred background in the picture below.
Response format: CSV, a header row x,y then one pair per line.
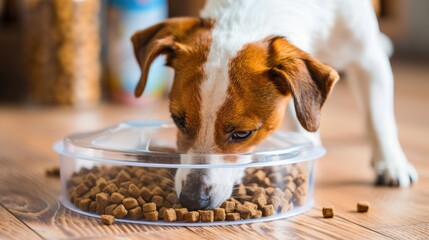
x,y
78,52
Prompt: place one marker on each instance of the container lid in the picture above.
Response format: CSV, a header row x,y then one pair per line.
x,y
153,144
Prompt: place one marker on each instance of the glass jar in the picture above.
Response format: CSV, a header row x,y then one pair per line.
x,y
62,51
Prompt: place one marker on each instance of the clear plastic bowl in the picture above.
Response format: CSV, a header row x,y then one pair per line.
x,y
141,153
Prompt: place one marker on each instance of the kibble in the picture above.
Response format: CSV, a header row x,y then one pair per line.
x,y
149,207
120,211
141,201
53,172
146,194
130,203
84,204
171,197
81,189
123,176
117,198
102,200
362,207
140,193
260,200
151,216
207,216
181,213
158,191
219,214
161,212
268,210
192,216
101,182
177,206
229,206
135,213
109,209
244,211
328,212
158,200
233,216
134,190
93,206
124,192
275,201
167,204
111,188
258,214
107,219
170,215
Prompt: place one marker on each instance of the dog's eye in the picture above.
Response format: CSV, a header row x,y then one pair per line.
x,y
241,135
180,122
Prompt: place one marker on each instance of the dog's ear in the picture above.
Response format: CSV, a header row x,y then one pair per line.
x,y
162,38
308,80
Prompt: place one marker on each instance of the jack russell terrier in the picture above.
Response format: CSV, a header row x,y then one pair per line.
x,y
240,64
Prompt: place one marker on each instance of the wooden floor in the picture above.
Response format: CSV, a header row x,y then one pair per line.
x,y
29,207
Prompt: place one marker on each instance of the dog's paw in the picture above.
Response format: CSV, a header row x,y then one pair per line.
x,y
395,174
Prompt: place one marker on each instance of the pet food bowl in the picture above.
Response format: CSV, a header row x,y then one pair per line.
x,y
129,171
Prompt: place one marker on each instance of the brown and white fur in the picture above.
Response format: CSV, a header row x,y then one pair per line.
x,y
241,63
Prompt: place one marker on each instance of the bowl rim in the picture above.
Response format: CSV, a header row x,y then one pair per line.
x,y
304,151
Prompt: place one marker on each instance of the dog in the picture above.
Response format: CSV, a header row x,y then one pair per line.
x,y
239,66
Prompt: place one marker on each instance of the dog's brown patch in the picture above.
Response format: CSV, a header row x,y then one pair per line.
x,y
253,100
263,77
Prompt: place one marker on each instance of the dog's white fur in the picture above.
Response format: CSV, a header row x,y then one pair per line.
x,y
341,33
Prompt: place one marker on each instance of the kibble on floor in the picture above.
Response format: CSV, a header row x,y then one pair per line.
x,y
362,207
328,212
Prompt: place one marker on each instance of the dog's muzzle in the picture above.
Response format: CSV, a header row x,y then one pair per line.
x,y
195,192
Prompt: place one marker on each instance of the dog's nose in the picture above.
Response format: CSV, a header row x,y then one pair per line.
x,y
194,201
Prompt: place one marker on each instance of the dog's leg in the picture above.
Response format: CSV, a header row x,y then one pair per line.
x,y
292,119
372,80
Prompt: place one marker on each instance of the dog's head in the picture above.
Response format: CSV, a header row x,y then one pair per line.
x,y
226,101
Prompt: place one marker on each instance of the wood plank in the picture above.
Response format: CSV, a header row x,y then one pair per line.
x,y
411,232
310,225
12,228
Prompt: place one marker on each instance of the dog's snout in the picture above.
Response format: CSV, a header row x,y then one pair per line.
x,y
195,190
194,201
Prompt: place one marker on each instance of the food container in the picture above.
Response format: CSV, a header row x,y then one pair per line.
x,y
61,41
120,169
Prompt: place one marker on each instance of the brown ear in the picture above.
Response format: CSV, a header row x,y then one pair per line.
x,y
309,81
162,38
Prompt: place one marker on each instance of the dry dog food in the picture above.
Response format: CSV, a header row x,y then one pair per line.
x,y
206,216
149,194
149,207
362,207
233,216
328,212
169,215
53,172
180,212
120,211
107,219
151,216
219,214
192,216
